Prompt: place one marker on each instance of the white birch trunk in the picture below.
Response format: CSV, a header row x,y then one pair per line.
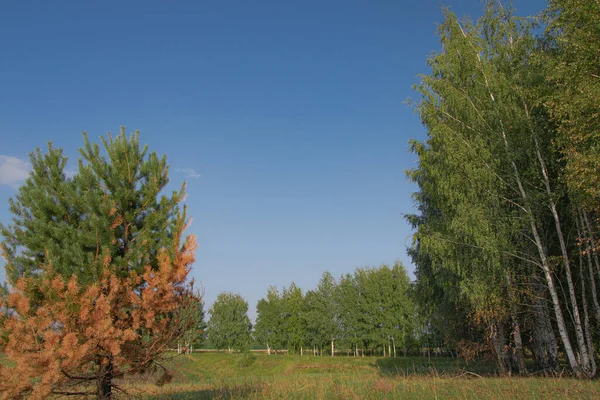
x,y
586,320
518,354
585,360
560,321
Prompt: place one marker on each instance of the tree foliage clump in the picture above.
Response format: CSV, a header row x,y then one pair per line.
x,y
229,326
110,207
370,309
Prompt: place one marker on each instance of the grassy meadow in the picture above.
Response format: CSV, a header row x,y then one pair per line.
x,y
233,376
239,376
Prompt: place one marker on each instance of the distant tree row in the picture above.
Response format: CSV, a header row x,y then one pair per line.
x,y
508,223
370,310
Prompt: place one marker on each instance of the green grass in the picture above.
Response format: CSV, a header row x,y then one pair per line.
x,y
227,376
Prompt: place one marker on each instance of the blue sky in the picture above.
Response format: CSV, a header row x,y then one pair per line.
x,y
285,118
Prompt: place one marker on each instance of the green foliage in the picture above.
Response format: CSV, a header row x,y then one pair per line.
x,y
371,309
194,318
229,326
269,328
322,313
382,313
570,55
475,110
494,204
110,207
294,324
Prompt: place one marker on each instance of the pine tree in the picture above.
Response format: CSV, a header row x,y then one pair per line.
x,y
97,272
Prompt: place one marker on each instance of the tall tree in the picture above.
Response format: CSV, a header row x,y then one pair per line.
x,y
229,326
293,318
490,174
322,313
269,327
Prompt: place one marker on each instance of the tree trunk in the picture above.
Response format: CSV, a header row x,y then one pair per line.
x,y
560,320
586,319
301,351
581,343
268,349
104,384
394,346
332,348
516,327
562,328
498,337
544,342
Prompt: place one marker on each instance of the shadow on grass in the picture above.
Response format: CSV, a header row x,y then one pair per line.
x,y
438,366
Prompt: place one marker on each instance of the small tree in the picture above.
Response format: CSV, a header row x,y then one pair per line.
x,y
97,272
229,326
195,335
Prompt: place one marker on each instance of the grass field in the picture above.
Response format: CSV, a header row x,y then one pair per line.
x,y
236,376
225,376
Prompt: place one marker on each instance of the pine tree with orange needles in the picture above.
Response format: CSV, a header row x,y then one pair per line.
x,y
77,339
97,271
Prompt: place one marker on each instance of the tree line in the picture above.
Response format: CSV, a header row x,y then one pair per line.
x,y
370,310
507,228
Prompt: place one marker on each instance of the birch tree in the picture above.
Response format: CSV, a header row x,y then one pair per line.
x,y
229,326
490,167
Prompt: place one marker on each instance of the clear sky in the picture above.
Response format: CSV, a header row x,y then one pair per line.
x,y
286,118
